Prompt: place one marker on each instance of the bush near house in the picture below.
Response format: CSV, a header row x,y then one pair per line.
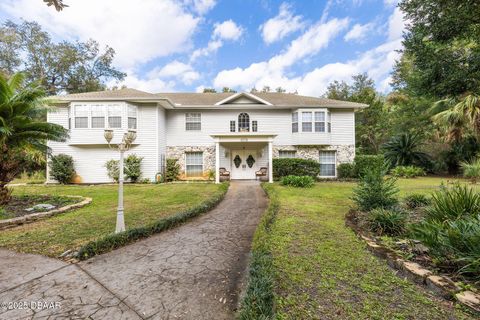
x,y
298,181
132,168
283,167
62,168
364,162
407,172
172,170
346,171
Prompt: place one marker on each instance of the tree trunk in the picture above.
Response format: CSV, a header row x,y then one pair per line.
x,y
10,166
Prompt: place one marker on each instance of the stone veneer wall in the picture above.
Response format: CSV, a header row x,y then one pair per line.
x,y
179,153
345,153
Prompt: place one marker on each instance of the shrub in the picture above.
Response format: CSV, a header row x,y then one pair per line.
x,y
451,229
346,171
132,168
283,167
363,162
407,172
172,171
417,200
61,168
298,181
389,222
374,190
471,170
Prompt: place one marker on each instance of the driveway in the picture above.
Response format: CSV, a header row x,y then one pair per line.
x,y
195,271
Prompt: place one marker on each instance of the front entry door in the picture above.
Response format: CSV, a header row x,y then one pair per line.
x,y
240,164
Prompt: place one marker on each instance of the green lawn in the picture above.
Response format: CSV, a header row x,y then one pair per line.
x,y
323,271
144,204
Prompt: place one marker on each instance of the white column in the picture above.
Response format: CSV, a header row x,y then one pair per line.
x,y
217,162
270,162
120,226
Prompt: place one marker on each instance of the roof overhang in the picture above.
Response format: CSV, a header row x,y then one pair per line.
x,y
243,137
164,102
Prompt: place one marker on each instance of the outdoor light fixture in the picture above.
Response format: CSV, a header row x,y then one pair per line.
x,y
127,141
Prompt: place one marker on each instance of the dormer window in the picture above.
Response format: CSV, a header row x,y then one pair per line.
x,y
243,122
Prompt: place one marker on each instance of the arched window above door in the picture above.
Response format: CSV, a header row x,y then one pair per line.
x,y
243,122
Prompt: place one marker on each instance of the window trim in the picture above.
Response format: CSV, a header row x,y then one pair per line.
x,y
188,120
254,126
233,126
307,122
121,116
75,115
299,124
102,107
295,115
187,164
244,118
132,107
334,162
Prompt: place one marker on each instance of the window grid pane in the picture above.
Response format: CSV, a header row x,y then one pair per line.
x,y
81,122
81,111
232,126
98,122
327,163
194,164
295,127
287,154
306,126
243,122
193,121
319,126
306,117
132,123
319,116
254,126
114,122
295,117
132,111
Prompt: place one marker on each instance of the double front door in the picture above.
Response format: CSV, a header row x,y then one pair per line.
x,y
244,164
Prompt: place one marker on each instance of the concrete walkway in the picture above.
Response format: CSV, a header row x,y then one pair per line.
x,y
195,271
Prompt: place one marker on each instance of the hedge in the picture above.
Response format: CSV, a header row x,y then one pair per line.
x,y
283,167
117,240
257,302
364,162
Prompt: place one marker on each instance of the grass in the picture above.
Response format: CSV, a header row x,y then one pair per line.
x,y
323,271
144,205
37,177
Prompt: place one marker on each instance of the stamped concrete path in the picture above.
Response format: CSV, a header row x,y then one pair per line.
x,y
195,271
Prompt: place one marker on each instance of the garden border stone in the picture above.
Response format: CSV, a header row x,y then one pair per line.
x,y
29,218
441,285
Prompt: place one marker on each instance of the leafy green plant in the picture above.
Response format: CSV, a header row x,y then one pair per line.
x,y
387,222
404,150
346,171
61,168
471,170
364,162
374,190
407,172
417,200
172,170
132,168
283,167
451,229
298,181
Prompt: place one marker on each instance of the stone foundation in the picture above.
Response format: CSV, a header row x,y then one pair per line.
x,y
179,154
345,153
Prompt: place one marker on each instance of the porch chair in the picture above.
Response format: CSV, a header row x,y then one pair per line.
x,y
261,173
224,174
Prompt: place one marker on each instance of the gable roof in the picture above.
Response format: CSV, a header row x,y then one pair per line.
x,y
273,98
246,96
121,94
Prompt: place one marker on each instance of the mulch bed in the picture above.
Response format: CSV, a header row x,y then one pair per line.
x,y
16,207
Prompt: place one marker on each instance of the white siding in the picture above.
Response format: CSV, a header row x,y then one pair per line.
x,y
91,154
162,138
343,127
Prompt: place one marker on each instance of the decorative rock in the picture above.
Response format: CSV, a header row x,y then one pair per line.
x,y
470,299
442,285
415,272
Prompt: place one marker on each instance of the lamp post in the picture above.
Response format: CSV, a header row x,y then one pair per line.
x,y
127,140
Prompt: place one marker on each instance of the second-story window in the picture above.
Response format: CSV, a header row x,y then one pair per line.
x,y
98,116
320,121
132,117
232,125
81,116
254,126
243,122
306,122
295,122
193,121
114,116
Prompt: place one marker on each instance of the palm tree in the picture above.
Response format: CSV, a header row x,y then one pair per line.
x,y
403,150
20,128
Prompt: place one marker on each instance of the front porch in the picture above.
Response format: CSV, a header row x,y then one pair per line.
x,y
244,155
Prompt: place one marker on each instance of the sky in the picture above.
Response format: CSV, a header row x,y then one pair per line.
x,y
188,45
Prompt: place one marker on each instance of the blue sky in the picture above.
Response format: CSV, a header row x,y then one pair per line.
x,y
186,45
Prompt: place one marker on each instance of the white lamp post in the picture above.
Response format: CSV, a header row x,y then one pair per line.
x,y
127,140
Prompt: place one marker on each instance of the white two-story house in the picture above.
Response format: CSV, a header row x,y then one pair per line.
x,y
206,132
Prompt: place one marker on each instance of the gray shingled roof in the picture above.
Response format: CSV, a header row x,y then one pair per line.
x,y
205,99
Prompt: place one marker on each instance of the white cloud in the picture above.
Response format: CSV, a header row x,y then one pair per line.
x,y
396,24
148,84
308,44
138,33
281,25
201,6
176,70
227,30
359,32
